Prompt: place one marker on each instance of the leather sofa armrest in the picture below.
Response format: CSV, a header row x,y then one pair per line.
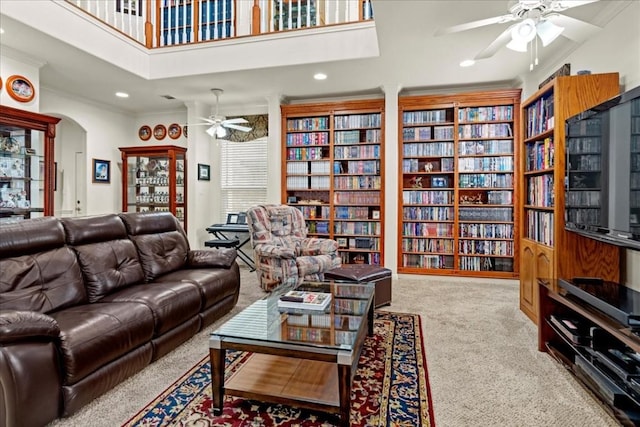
x,y
208,258
22,325
315,246
273,251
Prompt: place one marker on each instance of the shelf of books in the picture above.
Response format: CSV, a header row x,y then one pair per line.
x,y
457,184
333,162
546,249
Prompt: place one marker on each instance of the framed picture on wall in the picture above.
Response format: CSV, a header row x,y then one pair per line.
x,y
204,172
101,171
144,133
20,89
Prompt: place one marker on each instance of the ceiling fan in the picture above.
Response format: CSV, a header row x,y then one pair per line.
x,y
218,124
541,18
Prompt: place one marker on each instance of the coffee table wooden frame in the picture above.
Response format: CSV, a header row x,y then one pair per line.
x,y
296,374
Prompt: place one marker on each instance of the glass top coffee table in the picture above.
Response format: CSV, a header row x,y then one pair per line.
x,y
304,358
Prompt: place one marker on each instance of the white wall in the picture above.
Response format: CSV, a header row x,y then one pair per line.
x,y
106,130
17,63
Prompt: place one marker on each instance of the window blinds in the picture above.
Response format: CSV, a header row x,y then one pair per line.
x,y
243,175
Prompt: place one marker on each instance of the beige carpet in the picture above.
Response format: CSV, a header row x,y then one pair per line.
x,y
483,364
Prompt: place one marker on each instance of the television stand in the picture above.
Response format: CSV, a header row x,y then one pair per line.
x,y
599,350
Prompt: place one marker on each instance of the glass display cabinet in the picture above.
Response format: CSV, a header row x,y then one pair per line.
x,y
153,179
27,172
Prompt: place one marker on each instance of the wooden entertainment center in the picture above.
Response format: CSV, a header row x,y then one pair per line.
x,y
570,283
547,250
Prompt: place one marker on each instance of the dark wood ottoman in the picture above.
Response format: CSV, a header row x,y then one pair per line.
x,y
365,273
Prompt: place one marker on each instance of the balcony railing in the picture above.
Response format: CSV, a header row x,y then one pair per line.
x,y
157,23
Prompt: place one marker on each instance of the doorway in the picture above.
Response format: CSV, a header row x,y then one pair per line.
x,y
70,158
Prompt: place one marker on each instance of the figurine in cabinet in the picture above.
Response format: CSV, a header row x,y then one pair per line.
x,y
416,182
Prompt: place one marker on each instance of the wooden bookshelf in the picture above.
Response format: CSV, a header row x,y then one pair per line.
x,y
457,187
332,162
547,250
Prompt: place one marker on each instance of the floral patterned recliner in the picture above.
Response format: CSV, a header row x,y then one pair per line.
x,y
283,253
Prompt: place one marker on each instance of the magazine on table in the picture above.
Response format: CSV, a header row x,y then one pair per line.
x,y
304,300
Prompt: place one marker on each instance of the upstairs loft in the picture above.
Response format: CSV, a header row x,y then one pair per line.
x,y
175,38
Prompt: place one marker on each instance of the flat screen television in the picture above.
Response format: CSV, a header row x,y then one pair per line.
x,y
602,182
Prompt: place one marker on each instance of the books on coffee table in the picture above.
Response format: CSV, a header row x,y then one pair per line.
x,y
304,300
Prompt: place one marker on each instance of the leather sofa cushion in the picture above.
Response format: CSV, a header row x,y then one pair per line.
x,y
109,266
41,282
161,242
30,237
108,259
21,325
93,229
207,258
214,284
171,303
92,335
38,273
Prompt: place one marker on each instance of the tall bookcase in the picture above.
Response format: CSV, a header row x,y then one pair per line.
x,y
547,250
457,186
332,159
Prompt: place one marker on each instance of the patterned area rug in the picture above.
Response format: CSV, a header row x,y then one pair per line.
x,y
390,388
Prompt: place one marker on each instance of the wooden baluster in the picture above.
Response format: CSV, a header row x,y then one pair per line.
x,y
255,18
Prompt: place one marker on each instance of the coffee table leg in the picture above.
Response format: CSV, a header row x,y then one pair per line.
x,y
216,357
344,386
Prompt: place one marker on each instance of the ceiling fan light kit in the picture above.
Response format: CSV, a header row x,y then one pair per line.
x,y
524,31
218,124
548,31
533,19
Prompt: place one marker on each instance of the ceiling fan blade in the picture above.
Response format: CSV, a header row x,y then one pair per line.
x,y
476,24
495,45
236,120
574,29
199,124
206,119
559,6
237,127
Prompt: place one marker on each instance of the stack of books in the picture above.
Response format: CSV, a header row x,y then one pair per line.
x,y
302,300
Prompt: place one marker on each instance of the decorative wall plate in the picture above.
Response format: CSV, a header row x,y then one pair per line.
x,y
159,132
175,131
20,88
144,133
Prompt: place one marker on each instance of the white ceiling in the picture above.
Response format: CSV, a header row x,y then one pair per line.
x,y
410,57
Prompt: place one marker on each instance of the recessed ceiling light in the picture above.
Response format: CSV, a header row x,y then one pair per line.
x,y
467,63
320,76
122,95
1,31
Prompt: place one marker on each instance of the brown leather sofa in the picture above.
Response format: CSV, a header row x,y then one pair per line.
x,y
87,302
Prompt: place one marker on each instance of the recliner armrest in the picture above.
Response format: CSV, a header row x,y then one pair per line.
x,y
21,325
208,258
315,246
273,251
